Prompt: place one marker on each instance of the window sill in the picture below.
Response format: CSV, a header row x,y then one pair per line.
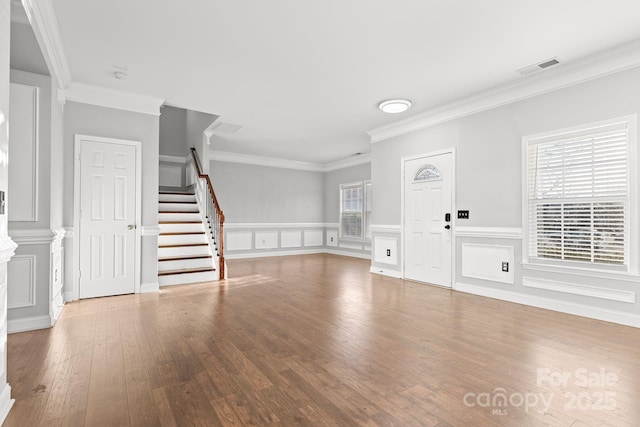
x,y
587,272
354,240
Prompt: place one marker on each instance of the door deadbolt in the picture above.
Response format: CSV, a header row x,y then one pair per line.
x,y
131,226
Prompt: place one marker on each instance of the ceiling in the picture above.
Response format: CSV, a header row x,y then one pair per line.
x,y
303,78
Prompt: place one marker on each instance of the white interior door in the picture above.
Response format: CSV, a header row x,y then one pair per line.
x,y
428,220
107,218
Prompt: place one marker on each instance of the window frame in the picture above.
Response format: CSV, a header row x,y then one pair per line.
x,y
630,266
362,185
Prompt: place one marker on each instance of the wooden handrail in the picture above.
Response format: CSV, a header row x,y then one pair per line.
x,y
219,212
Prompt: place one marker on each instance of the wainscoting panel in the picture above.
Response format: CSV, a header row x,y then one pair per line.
x,y
21,278
485,262
312,238
350,245
332,238
239,240
385,250
266,239
291,239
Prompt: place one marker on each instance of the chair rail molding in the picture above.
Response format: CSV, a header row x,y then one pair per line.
x,y
385,228
39,236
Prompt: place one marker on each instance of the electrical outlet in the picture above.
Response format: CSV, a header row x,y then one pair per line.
x,y
505,266
331,239
388,252
463,214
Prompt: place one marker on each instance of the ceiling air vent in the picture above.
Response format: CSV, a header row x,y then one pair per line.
x,y
539,66
223,127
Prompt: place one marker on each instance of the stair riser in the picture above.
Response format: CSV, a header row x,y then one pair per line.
x,y
183,251
182,207
182,239
185,263
181,228
176,198
181,279
179,217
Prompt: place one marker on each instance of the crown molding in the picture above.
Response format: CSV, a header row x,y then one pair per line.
x,y
112,98
174,159
564,75
45,27
249,159
348,162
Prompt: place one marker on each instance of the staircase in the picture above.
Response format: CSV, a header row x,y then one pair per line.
x,y
184,255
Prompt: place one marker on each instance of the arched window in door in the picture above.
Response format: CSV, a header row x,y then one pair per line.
x,y
427,173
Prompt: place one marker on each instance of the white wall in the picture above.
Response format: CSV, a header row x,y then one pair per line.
x,y
489,176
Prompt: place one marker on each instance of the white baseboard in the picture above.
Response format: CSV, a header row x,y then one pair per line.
x,y
28,324
296,252
57,309
273,253
386,272
613,316
6,402
149,287
347,253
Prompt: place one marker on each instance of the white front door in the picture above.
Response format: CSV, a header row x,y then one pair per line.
x,y
107,218
428,221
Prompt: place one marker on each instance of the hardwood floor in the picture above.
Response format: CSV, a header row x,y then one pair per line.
x,y
317,340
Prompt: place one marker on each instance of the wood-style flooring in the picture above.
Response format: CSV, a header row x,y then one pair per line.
x,y
317,340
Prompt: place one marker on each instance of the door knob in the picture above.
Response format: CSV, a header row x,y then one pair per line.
x,y
447,227
131,226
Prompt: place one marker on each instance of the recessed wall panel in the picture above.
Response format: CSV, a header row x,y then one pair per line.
x,y
119,255
97,197
97,257
120,198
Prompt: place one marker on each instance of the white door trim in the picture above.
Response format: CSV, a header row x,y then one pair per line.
x,y
403,160
76,207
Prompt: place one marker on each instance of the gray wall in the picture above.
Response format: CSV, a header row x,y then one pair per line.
x,y
25,51
197,122
489,183
332,181
262,194
489,147
173,131
92,120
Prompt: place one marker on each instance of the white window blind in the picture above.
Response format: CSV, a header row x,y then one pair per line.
x,y
578,193
351,211
355,210
367,210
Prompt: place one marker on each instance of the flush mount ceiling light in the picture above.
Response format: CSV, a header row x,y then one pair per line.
x,y
393,106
